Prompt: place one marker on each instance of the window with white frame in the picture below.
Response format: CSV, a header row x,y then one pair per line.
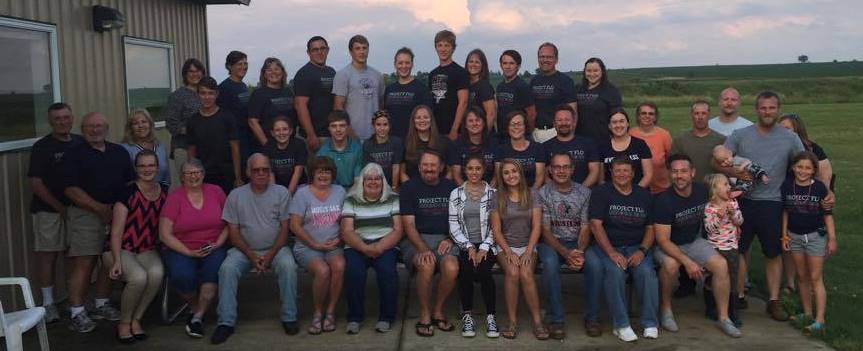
x,y
29,80
149,75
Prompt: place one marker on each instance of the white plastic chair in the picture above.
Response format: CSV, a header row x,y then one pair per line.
x,y
13,324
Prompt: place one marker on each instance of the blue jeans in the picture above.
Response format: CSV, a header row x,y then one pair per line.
x,y
594,274
356,267
645,282
237,264
186,273
551,278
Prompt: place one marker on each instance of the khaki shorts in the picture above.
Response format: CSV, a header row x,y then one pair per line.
x,y
87,233
49,232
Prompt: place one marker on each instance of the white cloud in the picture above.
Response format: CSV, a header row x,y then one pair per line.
x,y
752,24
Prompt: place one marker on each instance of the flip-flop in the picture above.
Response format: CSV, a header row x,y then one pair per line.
x,y
315,328
442,324
329,324
429,329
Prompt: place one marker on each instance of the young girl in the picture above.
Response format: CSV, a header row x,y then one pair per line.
x,y
288,156
383,149
722,221
809,233
515,219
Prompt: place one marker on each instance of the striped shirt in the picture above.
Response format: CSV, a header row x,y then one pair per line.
x,y
372,220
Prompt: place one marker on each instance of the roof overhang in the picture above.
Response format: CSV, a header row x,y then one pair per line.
x,y
225,2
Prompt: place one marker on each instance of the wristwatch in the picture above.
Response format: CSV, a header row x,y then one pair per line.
x,y
643,249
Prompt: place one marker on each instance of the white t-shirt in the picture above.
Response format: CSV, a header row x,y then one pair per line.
x,y
727,128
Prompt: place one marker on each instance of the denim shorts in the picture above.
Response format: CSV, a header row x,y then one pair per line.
x,y
187,273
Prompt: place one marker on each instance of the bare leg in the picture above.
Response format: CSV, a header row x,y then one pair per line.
x,y
103,283
528,285
448,276
816,266
47,267
425,272
742,274
788,267
773,273
207,294
667,278
320,284
510,284
721,284
804,288
79,280
337,273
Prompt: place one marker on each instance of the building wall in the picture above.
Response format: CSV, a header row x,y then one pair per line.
x,y
92,78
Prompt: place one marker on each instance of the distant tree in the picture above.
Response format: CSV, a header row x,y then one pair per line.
x,y
835,60
803,58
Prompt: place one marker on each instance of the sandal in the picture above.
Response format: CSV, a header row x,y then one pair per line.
x,y
510,331
442,324
540,332
315,328
815,329
329,324
424,329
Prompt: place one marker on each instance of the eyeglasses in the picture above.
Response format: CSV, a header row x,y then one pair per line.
x,y
193,173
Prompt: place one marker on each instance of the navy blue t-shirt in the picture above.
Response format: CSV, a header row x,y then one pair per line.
x,y
46,157
582,150
234,97
803,205
429,204
548,92
624,217
594,109
400,100
211,137
461,149
636,152
479,92
685,215
528,158
511,96
284,161
316,83
101,174
266,103
444,83
386,155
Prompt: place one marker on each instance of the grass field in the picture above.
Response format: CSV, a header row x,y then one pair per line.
x,y
838,129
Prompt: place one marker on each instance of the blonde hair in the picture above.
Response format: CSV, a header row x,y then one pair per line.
x,y
129,135
712,180
524,199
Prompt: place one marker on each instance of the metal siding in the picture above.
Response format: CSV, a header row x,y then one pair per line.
x,y
92,78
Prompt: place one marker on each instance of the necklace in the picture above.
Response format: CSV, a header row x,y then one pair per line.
x,y
474,193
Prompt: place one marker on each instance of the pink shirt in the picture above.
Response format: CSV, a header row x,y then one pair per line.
x,y
195,227
659,143
723,229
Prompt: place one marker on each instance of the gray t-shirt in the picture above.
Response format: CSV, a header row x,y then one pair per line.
x,y
772,151
727,128
565,213
320,218
516,222
258,215
363,91
472,221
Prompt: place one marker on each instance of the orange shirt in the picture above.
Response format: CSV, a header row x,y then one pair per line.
x,y
659,142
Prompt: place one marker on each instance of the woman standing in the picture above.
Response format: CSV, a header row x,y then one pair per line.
x,y
529,154
596,98
474,138
513,93
422,135
515,221
234,97
182,104
193,233
793,122
621,144
371,229
132,255
315,212
658,141
480,91
271,98
404,95
140,135
469,209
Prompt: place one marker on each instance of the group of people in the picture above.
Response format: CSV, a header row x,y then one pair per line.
x,y
339,173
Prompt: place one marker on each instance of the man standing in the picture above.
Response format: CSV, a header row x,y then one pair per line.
x,y
424,202
772,147
448,83
359,88
313,98
49,203
585,158
550,88
679,216
565,236
699,142
95,172
728,120
257,216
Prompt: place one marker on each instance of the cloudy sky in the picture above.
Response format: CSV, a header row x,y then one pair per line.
x,y
626,34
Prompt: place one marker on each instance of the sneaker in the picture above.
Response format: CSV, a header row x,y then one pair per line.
x,y
352,328
468,329
727,327
668,323
592,328
82,323
651,333
51,314
194,328
383,326
775,310
221,334
625,334
106,312
291,328
491,327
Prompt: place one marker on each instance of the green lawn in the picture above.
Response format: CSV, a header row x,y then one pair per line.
x,y
838,129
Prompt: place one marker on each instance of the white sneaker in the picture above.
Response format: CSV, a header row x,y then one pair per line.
x,y
468,328
491,327
651,333
625,334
